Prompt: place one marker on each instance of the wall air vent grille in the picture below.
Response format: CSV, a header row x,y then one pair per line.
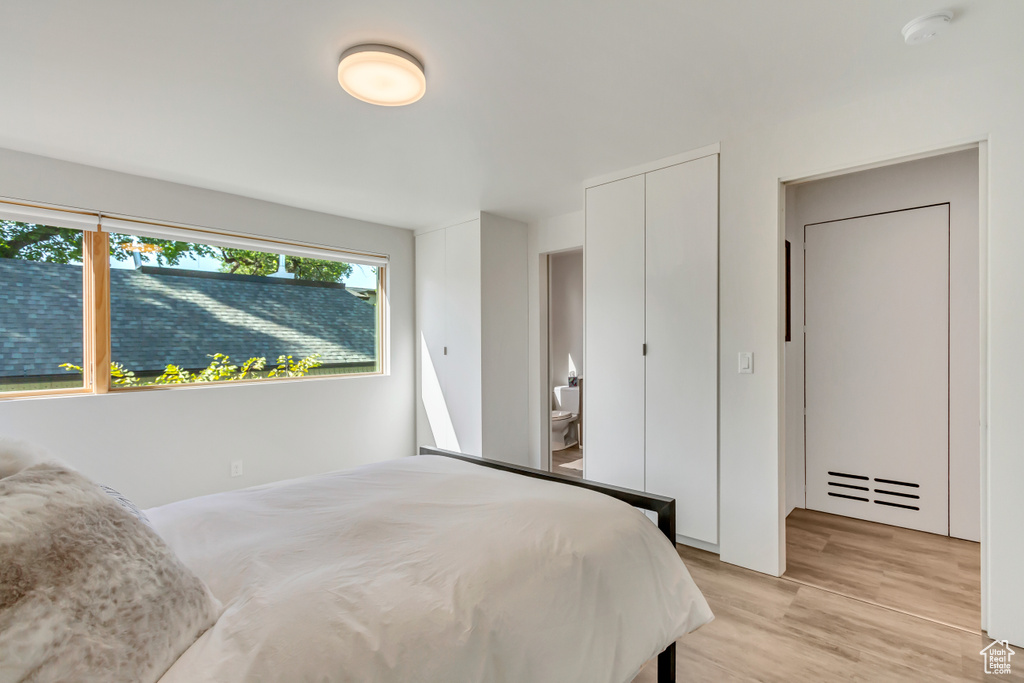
x,y
849,486
890,496
850,476
908,486
843,495
897,505
851,483
895,483
897,493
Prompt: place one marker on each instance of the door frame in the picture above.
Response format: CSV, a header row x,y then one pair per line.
x,y
544,296
981,144
544,268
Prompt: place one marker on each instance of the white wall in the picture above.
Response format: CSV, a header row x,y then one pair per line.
x,y
546,236
949,178
504,357
970,104
161,446
565,296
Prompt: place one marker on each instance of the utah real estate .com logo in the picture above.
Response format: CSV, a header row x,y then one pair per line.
x,y
997,657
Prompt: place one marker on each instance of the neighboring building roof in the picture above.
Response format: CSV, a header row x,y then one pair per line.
x,y
40,317
164,315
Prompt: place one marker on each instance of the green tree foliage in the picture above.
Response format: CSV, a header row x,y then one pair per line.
x,y
246,262
40,243
220,369
32,242
165,252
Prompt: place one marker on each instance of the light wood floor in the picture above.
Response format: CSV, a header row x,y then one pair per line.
x,y
559,460
927,575
772,629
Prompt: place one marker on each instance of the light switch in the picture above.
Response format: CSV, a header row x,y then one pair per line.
x,y
746,363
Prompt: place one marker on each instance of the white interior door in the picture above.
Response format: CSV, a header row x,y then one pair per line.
x,y
877,379
682,343
614,318
463,362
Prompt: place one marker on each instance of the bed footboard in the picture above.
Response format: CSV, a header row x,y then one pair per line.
x,y
664,507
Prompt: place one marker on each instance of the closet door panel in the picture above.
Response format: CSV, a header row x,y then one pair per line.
x,y
682,342
614,319
877,368
462,364
433,424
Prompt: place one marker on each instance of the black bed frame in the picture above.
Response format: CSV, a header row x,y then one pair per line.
x,y
664,507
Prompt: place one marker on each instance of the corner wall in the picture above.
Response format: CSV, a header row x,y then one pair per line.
x,y
161,446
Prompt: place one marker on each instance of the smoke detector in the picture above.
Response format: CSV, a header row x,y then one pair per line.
x,y
925,28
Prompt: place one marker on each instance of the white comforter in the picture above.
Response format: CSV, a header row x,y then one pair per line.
x,y
428,569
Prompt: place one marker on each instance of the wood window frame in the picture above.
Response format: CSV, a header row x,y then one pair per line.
x,y
96,311
96,327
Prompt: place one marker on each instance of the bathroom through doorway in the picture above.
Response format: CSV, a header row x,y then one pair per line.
x,y
565,361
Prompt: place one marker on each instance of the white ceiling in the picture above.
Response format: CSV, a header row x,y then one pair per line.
x,y
525,98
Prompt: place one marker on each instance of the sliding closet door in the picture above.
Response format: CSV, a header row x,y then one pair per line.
x,y
682,343
614,317
877,368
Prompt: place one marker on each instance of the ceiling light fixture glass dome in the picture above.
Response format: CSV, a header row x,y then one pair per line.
x,y
381,74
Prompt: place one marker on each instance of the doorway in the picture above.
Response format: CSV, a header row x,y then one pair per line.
x,y
565,362
883,385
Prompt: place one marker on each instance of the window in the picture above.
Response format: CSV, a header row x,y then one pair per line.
x,y
178,306
186,312
41,298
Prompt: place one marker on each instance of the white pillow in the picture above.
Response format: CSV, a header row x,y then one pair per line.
x,y
87,591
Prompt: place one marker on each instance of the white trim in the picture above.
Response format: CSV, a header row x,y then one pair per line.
x,y
983,347
880,162
238,240
59,218
545,361
424,231
665,162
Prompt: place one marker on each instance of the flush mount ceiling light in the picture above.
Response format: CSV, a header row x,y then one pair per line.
x,y
925,28
381,74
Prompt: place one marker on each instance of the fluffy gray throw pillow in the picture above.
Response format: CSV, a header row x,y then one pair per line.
x,y
87,591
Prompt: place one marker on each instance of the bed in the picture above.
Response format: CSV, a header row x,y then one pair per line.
x,y
442,567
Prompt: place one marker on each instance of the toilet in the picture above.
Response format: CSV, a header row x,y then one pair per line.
x,y
563,419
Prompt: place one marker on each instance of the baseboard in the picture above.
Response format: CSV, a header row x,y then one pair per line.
x,y
698,544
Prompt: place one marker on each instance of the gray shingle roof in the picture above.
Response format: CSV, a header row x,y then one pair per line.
x,y
160,316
